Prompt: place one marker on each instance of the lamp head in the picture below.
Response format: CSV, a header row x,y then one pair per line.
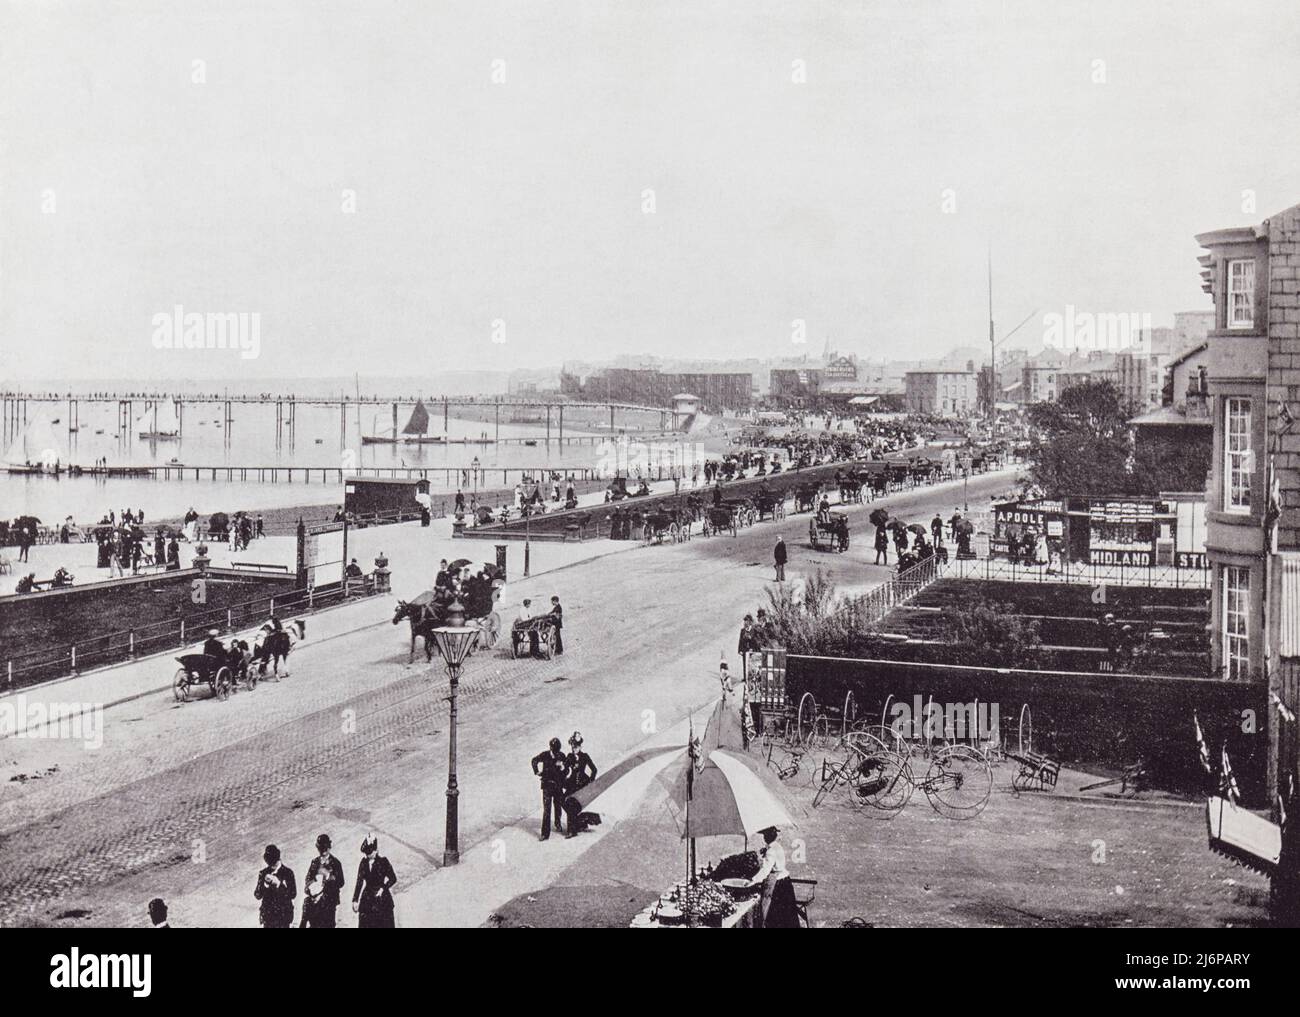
x,y
454,643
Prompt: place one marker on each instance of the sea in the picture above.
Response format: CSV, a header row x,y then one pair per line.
x,y
317,440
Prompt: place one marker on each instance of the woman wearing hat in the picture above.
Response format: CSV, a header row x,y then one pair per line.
x,y
579,772
324,885
776,906
371,900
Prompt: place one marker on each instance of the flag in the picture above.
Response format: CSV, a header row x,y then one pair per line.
x,y
1273,508
1202,749
1228,780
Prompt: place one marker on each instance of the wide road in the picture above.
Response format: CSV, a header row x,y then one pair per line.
x,y
179,801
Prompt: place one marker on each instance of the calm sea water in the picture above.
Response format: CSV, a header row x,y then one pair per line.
x,y
251,441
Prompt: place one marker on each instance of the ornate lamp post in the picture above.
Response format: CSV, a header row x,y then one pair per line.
x,y
455,640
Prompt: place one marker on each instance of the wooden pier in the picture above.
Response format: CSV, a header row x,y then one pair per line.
x,y
451,476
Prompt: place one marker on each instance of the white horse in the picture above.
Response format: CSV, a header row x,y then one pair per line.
x,y
272,645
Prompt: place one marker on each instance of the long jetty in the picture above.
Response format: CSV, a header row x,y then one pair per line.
x,y
281,474
14,408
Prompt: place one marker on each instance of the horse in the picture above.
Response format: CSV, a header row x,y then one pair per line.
x,y
272,645
422,624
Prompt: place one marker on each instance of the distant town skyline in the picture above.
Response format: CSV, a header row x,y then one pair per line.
x,y
391,189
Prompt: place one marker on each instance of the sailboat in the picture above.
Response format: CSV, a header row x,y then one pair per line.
x,y
164,424
35,450
416,431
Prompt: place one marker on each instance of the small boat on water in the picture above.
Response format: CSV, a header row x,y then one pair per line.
x,y
414,433
164,426
531,441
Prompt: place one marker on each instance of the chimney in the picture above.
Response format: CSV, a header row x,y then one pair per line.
x,y
970,367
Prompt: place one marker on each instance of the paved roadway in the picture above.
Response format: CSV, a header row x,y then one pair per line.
x,y
179,801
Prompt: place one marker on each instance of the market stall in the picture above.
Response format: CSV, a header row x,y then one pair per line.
x,y
714,789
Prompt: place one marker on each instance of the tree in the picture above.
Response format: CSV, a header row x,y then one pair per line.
x,y
1081,444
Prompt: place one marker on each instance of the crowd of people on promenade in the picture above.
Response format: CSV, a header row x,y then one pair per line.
x,y
124,545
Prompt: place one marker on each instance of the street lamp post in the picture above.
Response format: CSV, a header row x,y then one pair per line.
x,y
455,640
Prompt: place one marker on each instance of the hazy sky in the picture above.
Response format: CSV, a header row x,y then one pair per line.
x,y
129,187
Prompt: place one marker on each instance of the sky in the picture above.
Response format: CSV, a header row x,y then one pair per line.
x,y
396,186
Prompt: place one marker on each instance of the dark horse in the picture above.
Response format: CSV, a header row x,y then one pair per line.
x,y
423,623
273,643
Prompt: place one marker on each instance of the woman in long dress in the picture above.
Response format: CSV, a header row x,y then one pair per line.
x,y
776,905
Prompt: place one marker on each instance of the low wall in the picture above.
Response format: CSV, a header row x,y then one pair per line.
x,y
1093,721
39,631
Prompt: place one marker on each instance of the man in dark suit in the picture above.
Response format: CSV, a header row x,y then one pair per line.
x,y
324,885
213,647
370,898
549,767
557,612
276,888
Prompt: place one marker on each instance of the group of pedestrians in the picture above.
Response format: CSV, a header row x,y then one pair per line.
x,y
372,899
562,776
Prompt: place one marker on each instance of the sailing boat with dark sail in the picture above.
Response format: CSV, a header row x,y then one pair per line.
x,y
416,431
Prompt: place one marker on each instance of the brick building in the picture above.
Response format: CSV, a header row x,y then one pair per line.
x,y
1253,502
944,392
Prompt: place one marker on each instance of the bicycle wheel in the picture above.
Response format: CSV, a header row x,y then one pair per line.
x,y
850,715
806,719
1026,730
878,776
958,782
835,778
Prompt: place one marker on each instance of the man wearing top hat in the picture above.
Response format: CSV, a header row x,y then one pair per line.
x,y
276,889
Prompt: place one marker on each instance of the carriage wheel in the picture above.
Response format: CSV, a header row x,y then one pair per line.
x,y
958,782
806,719
181,685
850,715
221,683
490,631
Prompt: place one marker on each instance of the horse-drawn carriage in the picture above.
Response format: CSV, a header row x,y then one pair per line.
x,y
663,523
770,505
805,497
477,595
831,533
541,630
203,669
